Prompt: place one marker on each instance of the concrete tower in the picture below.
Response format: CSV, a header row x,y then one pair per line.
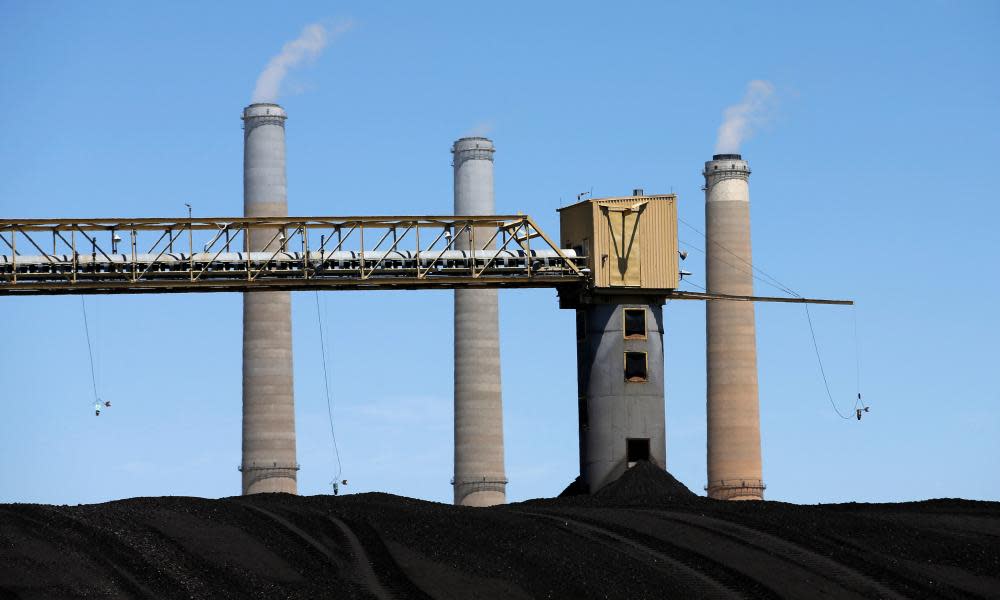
x,y
479,468
268,406
734,465
620,388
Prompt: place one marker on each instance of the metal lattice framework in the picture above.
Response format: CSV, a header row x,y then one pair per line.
x,y
104,256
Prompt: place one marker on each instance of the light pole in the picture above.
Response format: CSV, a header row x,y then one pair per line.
x,y
190,232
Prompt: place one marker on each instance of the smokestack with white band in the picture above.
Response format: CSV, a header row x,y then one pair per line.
x,y
734,464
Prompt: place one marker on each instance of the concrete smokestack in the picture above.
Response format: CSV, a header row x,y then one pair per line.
x,y
479,467
268,405
734,465
622,417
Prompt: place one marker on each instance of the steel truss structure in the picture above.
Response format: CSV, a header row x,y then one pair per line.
x,y
107,256
135,256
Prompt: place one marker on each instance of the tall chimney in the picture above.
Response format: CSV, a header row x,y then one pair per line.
x,y
734,465
479,467
268,405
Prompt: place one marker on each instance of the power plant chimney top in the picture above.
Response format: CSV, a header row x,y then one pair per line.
x,y
725,166
472,148
467,143
264,109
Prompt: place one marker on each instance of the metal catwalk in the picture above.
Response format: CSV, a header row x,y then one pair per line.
x,y
136,256
106,256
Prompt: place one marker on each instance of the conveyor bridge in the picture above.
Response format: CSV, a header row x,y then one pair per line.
x,y
105,256
149,255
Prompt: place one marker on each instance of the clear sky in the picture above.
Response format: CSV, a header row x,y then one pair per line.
x,y
872,180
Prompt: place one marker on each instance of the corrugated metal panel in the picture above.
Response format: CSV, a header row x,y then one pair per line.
x,y
660,245
624,264
656,264
632,248
602,246
670,231
604,239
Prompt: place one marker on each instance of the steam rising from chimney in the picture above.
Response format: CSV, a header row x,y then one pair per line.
x,y
480,129
307,46
742,119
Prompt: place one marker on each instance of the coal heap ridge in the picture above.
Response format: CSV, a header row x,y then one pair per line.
x,y
643,483
645,535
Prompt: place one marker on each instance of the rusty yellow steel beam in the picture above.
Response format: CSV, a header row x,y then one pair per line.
x,y
202,223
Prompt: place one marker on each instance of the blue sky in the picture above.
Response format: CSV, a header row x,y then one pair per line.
x,y
872,181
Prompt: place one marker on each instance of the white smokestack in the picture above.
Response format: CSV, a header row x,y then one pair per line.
x,y
307,46
742,119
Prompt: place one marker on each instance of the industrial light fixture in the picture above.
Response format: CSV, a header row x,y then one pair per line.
x,y
682,254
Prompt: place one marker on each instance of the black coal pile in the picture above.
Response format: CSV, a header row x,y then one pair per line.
x,y
645,483
643,536
642,484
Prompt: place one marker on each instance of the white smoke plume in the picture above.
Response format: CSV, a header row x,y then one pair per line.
x,y
307,46
481,129
741,120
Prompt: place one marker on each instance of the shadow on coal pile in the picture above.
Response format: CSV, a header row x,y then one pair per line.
x,y
644,536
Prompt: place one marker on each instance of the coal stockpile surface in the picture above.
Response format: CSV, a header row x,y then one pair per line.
x,y
644,536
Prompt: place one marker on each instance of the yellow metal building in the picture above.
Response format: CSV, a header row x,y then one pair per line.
x,y
629,242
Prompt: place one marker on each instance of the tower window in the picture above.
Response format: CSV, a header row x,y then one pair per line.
x,y
635,323
637,450
635,367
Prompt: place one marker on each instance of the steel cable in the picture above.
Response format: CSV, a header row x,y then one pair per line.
x,y
773,282
90,350
822,371
326,383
